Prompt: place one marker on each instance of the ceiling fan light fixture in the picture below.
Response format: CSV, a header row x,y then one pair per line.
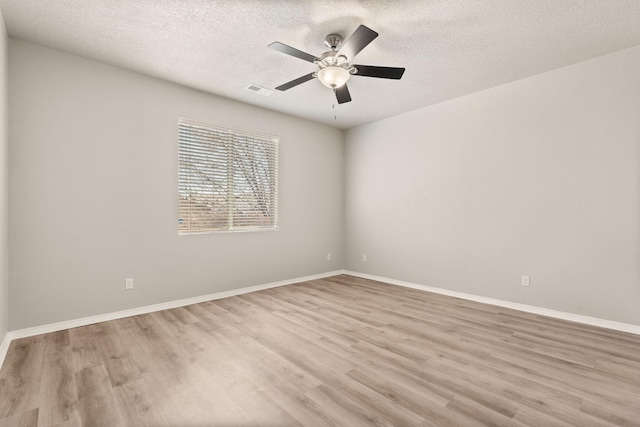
x,y
334,66
333,77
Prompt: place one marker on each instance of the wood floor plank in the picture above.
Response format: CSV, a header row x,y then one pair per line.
x,y
628,416
116,357
22,376
399,370
24,419
341,409
532,417
58,392
96,399
177,405
300,407
402,391
377,405
476,411
519,396
338,351
138,405
84,341
264,366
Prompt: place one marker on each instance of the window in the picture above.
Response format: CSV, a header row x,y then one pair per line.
x,y
228,179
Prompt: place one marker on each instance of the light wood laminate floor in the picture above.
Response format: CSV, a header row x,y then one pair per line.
x,y
339,351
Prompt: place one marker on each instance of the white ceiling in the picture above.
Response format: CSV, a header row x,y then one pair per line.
x,y
449,48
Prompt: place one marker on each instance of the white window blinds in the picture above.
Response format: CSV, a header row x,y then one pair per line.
x,y
228,179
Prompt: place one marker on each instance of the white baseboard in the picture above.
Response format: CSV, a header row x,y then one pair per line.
x,y
68,324
593,321
38,330
4,347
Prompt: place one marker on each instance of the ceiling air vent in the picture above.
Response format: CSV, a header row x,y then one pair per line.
x,y
259,89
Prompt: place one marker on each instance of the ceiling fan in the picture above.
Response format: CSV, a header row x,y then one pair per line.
x,y
335,66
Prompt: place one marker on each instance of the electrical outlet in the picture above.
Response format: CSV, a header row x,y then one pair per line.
x,y
328,257
525,281
128,283
364,257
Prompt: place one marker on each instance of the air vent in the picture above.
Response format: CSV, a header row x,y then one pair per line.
x,y
259,89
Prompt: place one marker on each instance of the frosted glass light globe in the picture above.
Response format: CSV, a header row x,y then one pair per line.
x,y
333,77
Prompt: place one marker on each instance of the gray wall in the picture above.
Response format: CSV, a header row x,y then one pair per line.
x,y
93,193
539,177
4,178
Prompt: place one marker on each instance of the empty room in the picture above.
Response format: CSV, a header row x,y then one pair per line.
x,y
320,213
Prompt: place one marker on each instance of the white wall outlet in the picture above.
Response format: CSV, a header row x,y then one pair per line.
x,y
328,257
525,281
128,283
364,257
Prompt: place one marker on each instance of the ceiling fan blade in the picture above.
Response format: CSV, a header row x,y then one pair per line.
x,y
380,72
360,38
342,94
296,82
281,47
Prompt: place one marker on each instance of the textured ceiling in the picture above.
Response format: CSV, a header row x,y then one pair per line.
x,y
449,47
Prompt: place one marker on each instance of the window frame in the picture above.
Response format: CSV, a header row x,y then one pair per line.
x,y
227,179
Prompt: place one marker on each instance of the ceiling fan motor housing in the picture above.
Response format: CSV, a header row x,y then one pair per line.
x,y
333,41
332,59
